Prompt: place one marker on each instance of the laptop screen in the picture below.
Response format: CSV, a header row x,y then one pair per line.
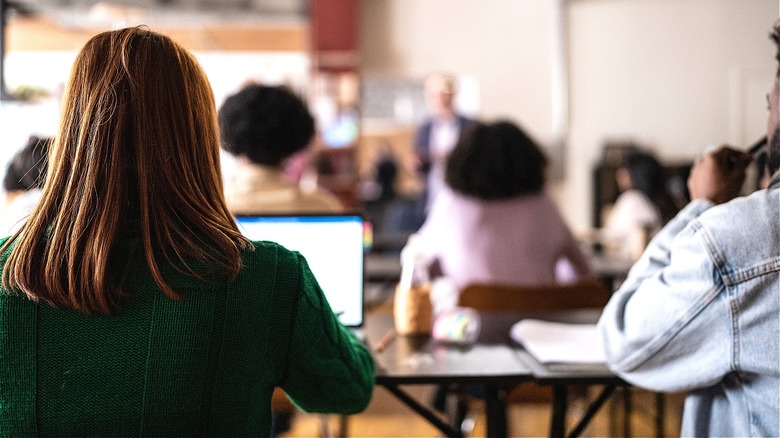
x,y
333,245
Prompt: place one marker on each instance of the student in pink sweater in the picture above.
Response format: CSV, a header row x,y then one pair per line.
x,y
493,222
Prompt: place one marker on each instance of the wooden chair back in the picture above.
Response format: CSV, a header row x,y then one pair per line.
x,y
585,294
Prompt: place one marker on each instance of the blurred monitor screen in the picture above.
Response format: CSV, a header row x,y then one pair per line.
x,y
333,245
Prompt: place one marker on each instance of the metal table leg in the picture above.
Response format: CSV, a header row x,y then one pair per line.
x,y
495,407
560,407
424,411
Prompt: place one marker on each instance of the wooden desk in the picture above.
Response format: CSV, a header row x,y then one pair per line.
x,y
495,362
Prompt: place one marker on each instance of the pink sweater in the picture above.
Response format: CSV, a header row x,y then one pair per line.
x,y
515,241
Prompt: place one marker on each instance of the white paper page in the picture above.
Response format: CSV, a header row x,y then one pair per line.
x,y
558,343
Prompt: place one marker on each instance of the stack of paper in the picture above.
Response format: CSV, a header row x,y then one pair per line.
x,y
561,346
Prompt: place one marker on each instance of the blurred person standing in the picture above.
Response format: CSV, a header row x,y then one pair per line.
x,y
437,136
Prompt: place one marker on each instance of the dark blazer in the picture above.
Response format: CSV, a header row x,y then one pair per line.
x,y
422,145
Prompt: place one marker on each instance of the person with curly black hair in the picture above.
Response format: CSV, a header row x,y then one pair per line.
x,y
22,183
263,126
493,222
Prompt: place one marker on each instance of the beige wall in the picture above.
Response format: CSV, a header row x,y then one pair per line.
x,y
503,44
676,74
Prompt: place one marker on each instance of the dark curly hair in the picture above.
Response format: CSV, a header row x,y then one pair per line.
x,y
496,161
648,176
265,124
27,169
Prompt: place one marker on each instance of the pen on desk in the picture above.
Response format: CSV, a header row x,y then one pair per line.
x,y
385,342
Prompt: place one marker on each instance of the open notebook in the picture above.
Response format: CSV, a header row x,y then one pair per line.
x,y
333,245
561,346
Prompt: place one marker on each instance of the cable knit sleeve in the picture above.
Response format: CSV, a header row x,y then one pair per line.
x,y
329,370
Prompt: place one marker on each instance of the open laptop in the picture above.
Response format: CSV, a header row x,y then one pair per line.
x,y
333,245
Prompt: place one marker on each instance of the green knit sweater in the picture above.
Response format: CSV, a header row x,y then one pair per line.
x,y
203,366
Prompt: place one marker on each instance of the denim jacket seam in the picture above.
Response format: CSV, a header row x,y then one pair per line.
x,y
646,353
726,277
758,269
734,312
662,339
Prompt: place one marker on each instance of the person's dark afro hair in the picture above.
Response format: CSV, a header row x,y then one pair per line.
x,y
494,161
265,124
27,169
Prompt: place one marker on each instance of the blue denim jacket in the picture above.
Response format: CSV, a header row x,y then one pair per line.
x,y
699,313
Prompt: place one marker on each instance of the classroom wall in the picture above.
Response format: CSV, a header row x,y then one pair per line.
x,y
674,74
506,45
677,75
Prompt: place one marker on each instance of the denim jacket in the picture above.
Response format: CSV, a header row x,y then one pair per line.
x,y
699,313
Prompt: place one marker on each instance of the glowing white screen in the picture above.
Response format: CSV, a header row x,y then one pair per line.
x,y
333,248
